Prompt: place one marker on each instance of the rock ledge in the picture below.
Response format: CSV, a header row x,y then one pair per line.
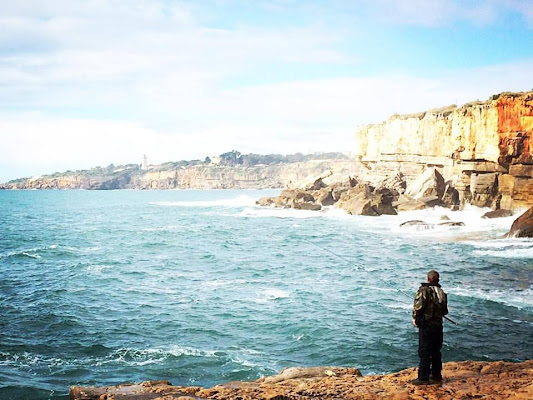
x,y
462,380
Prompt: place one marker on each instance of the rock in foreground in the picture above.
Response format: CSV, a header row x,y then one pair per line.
x,y
523,225
462,380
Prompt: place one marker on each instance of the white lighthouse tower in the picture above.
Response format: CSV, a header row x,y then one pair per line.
x,y
144,166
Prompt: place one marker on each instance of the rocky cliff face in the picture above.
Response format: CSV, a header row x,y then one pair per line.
x,y
482,149
189,177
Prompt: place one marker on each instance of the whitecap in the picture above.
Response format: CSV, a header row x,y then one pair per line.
x,y
514,298
34,255
507,253
502,243
140,357
236,202
268,295
97,268
284,213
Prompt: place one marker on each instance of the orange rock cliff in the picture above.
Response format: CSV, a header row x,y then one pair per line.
x,y
481,148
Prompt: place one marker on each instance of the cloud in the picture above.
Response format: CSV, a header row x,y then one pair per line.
x,y
306,116
94,82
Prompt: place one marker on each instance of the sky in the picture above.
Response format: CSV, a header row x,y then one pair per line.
x,y
94,82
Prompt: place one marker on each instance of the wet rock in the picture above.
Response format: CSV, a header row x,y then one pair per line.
x,y
452,223
522,226
483,188
362,200
429,183
417,224
324,197
406,203
451,197
307,206
265,201
497,214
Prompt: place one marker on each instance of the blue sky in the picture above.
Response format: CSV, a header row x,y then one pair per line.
x,y
86,83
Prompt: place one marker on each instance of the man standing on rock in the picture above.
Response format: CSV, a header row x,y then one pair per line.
x,y
431,304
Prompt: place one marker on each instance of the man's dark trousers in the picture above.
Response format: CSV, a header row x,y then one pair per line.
x,y
429,346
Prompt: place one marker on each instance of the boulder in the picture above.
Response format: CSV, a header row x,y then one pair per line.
x,y
265,201
417,225
337,191
429,183
452,223
316,185
395,183
359,204
304,197
522,226
451,197
483,188
307,206
362,200
404,203
497,214
324,197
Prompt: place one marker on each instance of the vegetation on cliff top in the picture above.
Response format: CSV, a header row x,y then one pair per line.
x,y
232,159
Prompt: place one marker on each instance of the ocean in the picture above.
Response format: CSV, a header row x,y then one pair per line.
x,y
205,287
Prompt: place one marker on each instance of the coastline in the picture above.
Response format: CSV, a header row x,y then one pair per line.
x,y
462,380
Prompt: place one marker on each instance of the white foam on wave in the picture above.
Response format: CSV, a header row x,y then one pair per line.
x,y
514,298
236,202
30,360
140,357
509,253
34,255
502,243
157,355
286,213
97,268
169,228
225,282
475,227
271,294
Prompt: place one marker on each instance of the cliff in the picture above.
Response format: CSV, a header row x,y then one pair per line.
x,y
482,149
462,380
480,154
192,175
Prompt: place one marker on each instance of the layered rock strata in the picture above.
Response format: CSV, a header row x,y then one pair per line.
x,y
462,380
483,150
479,154
188,177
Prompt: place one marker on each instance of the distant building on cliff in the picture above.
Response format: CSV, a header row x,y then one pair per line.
x,y
144,165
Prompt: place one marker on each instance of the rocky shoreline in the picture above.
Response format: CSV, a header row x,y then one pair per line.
x,y
462,380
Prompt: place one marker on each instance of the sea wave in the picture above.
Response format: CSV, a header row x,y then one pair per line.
x,y
140,357
27,359
236,202
510,253
271,212
502,243
522,299
271,294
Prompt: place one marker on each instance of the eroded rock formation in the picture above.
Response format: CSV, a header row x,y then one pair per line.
x,y
462,380
483,150
523,225
479,154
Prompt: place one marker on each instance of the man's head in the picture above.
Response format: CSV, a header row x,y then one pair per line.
x,y
433,276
